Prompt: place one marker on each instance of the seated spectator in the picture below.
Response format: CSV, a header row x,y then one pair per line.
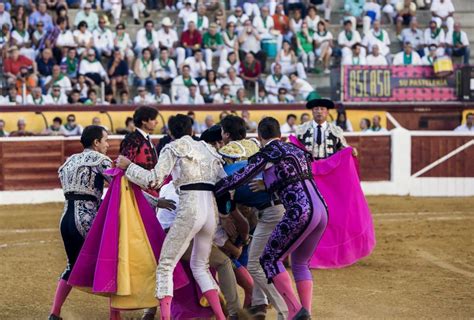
x,y
231,62
230,42
238,19
13,64
13,98
213,45
364,125
143,69
88,16
296,22
5,17
209,86
377,36
436,36
196,125
118,72
193,98
185,10
109,97
302,90
180,85
266,28
21,128
92,98
276,81
125,97
168,38
3,132
122,41
129,127
75,97
83,38
26,81
56,97
83,85
347,38
92,69
323,43
97,122
137,7
249,41
64,41
458,44
191,40
159,97
21,38
223,96
289,62
234,82
284,97
114,7
241,97
290,125
262,97
20,13
165,68
103,39
147,38
45,64
199,18
281,22
376,126
36,97
250,125
250,70
468,126
415,36
70,63
37,36
406,11
430,58
356,59
371,14
312,19
71,128
342,121
442,12
375,58
208,123
407,57
5,37
143,97
304,46
40,15
58,78
304,118
197,65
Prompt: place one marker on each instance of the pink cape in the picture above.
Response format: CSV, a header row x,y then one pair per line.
x,y
96,266
350,234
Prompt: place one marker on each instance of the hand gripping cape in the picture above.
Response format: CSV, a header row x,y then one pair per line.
x,y
350,234
121,251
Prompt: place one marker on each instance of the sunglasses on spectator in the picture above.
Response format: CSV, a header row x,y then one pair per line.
x,y
101,22
56,89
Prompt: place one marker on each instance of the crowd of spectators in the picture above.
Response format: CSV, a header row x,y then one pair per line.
x,y
213,53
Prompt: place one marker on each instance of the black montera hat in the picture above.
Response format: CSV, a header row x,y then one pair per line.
x,y
213,134
320,103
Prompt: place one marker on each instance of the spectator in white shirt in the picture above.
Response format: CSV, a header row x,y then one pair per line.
x,y
83,38
193,98
364,125
238,18
231,62
408,57
165,68
347,38
56,97
13,98
137,7
434,35
301,88
429,59
376,126
147,37
20,37
458,44
5,17
197,65
356,59
323,42
406,11
249,40
92,69
284,97
234,82
185,11
442,11
209,86
103,39
469,126
159,97
168,37
289,62
144,71
64,40
371,13
415,36
290,125
224,95
87,15
377,36
71,128
276,81
36,97
143,97
122,41
58,78
265,27
375,58
180,85
199,18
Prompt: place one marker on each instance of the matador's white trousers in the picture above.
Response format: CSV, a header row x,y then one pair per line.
x,y
196,218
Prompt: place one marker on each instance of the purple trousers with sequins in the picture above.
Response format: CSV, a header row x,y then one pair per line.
x,y
298,233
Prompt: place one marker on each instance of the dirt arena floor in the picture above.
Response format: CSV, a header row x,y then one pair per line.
x,y
422,267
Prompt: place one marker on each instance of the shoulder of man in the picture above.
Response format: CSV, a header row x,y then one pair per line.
x,y
180,147
335,130
303,128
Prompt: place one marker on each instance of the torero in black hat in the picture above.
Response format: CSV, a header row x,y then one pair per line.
x,y
320,103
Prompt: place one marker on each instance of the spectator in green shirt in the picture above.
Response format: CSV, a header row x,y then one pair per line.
x,y
305,48
213,45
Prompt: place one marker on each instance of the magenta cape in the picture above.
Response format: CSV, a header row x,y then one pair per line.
x,y
350,234
96,266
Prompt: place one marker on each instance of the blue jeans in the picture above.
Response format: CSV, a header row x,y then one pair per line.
x,y
460,52
149,83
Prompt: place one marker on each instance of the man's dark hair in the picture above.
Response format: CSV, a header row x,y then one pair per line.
x,y
180,125
71,116
469,115
60,20
90,134
291,115
234,126
128,120
58,119
269,128
144,113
